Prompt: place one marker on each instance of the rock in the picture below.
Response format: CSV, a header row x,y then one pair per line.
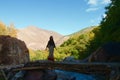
x,y
109,52
38,74
70,59
13,51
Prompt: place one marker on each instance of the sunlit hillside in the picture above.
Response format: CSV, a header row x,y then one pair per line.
x,y
77,43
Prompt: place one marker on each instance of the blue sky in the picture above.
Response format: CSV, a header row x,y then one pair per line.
x,y
62,16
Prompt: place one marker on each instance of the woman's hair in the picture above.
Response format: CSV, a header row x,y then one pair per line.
x,y
51,37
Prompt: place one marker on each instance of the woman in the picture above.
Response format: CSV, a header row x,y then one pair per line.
x,y
51,46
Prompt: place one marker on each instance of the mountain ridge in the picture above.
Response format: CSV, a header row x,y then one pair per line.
x,y
37,38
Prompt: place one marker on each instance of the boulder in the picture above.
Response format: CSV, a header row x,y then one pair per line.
x,y
70,59
12,51
109,52
36,74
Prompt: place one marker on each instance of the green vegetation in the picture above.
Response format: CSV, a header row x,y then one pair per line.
x,y
42,55
109,29
37,55
77,44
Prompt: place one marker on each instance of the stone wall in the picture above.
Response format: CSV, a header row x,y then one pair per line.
x,y
13,51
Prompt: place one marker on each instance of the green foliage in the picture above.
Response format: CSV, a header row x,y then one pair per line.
x,y
37,55
42,55
59,56
76,45
110,25
109,29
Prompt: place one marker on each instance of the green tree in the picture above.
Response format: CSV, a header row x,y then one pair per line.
x,y
109,29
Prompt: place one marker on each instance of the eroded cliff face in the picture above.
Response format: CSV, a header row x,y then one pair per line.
x,y
13,51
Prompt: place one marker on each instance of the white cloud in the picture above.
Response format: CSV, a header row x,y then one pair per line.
x,y
97,2
94,5
91,9
92,2
106,1
104,15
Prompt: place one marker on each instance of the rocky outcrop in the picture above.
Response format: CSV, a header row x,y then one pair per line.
x,y
13,51
109,52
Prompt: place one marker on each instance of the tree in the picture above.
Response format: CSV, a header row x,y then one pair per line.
x,y
3,29
12,31
109,29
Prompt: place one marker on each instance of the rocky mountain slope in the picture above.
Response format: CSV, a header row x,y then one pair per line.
x,y
36,38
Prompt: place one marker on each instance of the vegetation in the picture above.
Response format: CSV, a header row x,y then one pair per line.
x,y
42,55
109,29
76,45
37,55
8,30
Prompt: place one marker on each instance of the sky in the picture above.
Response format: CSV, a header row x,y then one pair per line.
x,y
62,16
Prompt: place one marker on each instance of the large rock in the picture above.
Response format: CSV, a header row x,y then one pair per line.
x,y
109,52
13,51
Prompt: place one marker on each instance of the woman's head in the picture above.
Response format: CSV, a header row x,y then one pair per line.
x,y
51,37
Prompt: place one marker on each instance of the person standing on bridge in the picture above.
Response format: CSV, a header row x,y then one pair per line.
x,y
51,46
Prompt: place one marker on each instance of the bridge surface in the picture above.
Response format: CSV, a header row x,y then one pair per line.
x,y
87,68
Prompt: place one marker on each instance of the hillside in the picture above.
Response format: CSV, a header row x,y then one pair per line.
x,y
36,38
83,31
77,43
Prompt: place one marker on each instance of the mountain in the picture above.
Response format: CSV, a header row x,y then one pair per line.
x,y
37,38
83,31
